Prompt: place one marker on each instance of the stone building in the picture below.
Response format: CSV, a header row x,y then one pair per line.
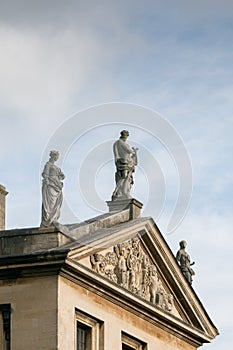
x,y
110,282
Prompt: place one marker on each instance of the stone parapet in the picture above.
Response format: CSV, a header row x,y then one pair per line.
x,y
26,241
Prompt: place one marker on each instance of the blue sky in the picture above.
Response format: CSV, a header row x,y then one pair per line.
x,y
174,57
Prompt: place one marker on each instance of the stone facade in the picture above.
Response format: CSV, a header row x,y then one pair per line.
x,y
112,278
33,311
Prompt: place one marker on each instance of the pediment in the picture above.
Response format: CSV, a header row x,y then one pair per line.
x,y
135,257
129,265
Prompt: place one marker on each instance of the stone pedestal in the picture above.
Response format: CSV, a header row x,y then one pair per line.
x,y
132,204
3,194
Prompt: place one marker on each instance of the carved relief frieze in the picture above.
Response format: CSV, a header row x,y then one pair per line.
x,y
129,266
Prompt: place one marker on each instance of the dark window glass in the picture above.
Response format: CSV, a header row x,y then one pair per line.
x,y
126,347
83,337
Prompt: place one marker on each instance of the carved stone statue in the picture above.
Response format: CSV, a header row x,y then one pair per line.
x,y
125,161
51,191
184,260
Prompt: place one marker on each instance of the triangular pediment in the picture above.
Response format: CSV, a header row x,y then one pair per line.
x,y
135,257
130,265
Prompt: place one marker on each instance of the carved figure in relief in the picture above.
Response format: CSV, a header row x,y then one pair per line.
x,y
168,302
130,267
153,284
125,161
160,295
132,264
97,263
51,191
122,266
111,275
145,275
184,260
164,299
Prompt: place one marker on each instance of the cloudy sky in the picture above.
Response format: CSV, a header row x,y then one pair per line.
x,y
75,73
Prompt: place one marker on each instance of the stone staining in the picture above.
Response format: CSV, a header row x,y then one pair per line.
x,y
128,266
125,161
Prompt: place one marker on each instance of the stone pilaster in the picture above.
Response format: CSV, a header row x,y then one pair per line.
x,y
3,194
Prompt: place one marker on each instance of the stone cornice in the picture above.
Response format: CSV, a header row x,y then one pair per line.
x,y
100,285
181,287
168,268
31,265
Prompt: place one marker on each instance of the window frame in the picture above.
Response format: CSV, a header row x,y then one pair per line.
x,y
94,325
132,342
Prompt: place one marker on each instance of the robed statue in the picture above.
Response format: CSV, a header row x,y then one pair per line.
x,y
51,191
125,161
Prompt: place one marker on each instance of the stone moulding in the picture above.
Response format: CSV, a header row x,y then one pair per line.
x,y
138,306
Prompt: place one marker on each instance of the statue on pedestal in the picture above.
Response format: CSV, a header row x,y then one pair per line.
x,y
51,191
125,161
184,261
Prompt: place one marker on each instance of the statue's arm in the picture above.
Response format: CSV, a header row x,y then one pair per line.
x,y
178,256
45,173
61,175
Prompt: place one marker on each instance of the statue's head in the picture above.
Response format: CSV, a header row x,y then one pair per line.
x,y
124,134
183,244
54,155
153,270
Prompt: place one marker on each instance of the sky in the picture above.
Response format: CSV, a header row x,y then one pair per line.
x,y
75,73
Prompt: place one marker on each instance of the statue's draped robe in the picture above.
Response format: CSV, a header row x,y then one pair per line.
x,y
125,160
51,194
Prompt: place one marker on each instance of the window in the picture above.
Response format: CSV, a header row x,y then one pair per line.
x,y
89,334
5,326
131,343
83,337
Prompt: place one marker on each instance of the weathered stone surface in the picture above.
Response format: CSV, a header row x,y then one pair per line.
x,y
3,194
51,191
132,204
47,277
128,265
117,318
125,161
26,241
34,312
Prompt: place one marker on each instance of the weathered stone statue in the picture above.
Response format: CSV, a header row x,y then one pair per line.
x,y
184,260
125,160
51,191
